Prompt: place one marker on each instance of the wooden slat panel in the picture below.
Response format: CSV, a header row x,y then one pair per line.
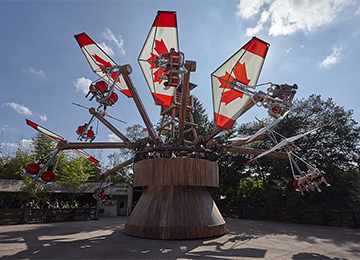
x,y
176,171
175,212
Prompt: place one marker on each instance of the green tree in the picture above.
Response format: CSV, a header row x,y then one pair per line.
x,y
334,149
42,145
204,125
133,133
11,166
74,174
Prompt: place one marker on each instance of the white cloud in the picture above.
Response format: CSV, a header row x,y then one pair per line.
x,y
118,41
20,109
31,70
23,110
107,49
44,118
284,17
114,138
82,84
24,143
333,58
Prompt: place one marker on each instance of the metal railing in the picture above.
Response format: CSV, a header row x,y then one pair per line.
x,y
21,216
303,216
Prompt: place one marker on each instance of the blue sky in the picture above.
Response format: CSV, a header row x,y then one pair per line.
x,y
312,43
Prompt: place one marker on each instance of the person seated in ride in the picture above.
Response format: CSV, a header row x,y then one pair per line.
x,y
81,129
274,108
111,100
98,89
316,176
283,91
48,175
33,168
302,182
175,59
175,62
90,134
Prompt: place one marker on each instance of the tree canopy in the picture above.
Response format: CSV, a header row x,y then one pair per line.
x,y
334,149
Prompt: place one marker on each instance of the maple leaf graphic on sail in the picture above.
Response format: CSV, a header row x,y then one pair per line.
x,y
160,48
225,81
103,64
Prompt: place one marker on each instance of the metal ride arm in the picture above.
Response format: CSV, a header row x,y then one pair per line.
x,y
46,165
65,145
109,71
240,143
244,150
292,161
95,113
190,66
115,169
125,71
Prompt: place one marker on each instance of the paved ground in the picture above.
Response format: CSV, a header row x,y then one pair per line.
x,y
245,239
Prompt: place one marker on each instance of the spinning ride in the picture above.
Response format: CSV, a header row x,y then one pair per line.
x,y
177,172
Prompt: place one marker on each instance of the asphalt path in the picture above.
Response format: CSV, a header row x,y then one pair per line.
x,y
245,239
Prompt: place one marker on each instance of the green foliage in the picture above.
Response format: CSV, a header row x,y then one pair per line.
x,y
74,174
70,171
133,133
204,125
12,167
42,146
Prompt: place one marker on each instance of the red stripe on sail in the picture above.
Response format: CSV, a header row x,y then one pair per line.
x,y
93,159
257,47
165,19
31,124
162,100
223,121
83,39
126,92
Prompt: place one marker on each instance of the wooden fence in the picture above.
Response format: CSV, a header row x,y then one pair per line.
x,y
21,216
303,216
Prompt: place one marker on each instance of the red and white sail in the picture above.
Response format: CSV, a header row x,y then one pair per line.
x,y
284,142
162,37
57,138
262,131
244,66
98,59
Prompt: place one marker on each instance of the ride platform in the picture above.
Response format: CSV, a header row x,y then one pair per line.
x,y
176,203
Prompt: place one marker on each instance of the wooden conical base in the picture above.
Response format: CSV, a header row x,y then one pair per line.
x,y
176,203
175,212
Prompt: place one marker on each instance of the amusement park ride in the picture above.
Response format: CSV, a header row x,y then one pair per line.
x,y
176,173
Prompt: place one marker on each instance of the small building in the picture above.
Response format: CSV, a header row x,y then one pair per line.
x,y
119,200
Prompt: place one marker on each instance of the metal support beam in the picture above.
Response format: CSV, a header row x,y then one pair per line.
x,y
295,164
125,71
213,133
244,150
189,65
95,113
115,169
240,143
65,145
